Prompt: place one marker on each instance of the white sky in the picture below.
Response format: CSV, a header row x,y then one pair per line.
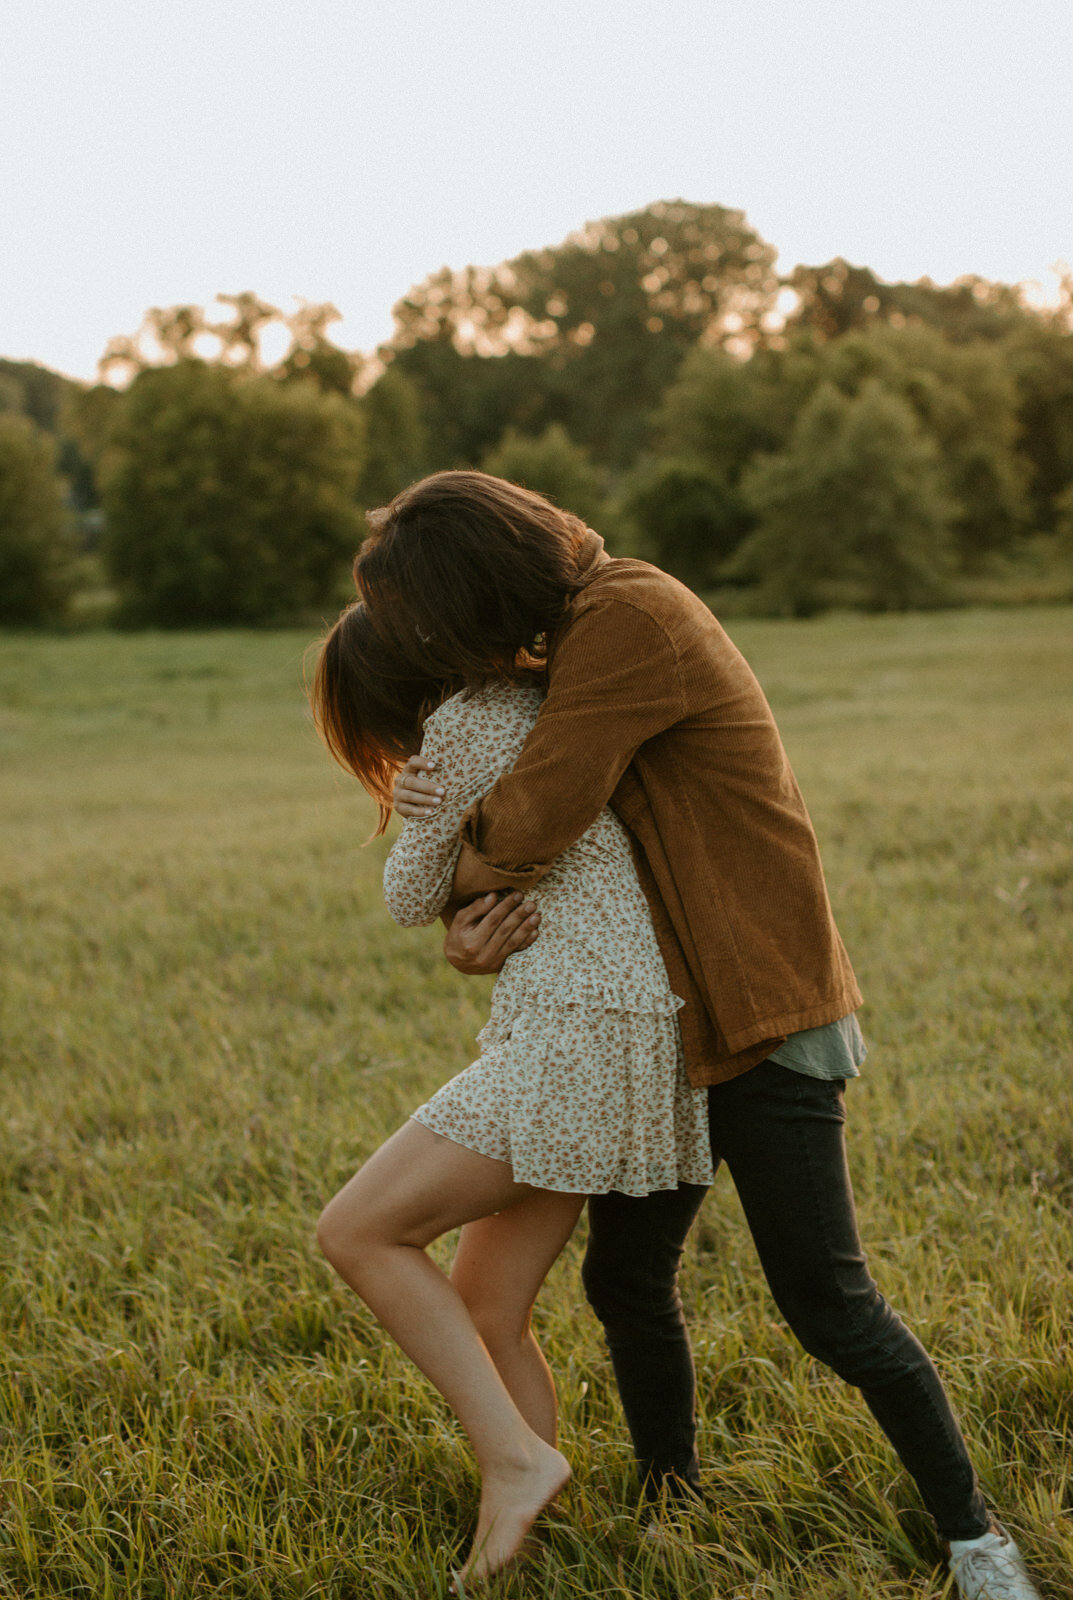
x,y
157,151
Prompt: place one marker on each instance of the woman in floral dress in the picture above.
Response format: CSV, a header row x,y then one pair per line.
x,y
579,1087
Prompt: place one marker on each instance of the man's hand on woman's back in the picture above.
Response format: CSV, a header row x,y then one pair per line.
x,y
481,935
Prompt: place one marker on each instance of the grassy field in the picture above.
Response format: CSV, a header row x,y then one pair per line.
x,y
209,1020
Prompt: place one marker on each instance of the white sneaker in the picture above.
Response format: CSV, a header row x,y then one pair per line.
x,y
992,1569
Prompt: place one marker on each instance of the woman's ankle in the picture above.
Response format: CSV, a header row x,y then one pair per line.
x,y
518,1459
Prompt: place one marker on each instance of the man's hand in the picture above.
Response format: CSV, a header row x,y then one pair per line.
x,y
416,794
484,933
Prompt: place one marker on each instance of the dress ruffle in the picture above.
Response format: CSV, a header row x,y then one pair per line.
x,y
591,997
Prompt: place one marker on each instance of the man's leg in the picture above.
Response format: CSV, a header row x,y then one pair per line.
x,y
630,1275
782,1137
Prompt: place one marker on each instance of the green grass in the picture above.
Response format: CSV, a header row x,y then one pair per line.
x,y
209,1020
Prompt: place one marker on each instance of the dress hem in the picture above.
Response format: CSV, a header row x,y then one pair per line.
x,y
556,1188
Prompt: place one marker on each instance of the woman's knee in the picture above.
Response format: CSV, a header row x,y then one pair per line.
x,y
502,1330
347,1233
330,1233
502,1323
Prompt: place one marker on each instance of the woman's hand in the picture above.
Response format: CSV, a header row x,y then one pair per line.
x,y
416,794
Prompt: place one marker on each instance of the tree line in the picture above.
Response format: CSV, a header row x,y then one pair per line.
x,y
782,445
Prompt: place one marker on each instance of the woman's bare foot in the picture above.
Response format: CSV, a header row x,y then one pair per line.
x,y
511,1501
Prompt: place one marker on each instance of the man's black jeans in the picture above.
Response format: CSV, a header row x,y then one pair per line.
x,y
781,1135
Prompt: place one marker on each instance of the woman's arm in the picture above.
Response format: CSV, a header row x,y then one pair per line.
x,y
482,934
419,869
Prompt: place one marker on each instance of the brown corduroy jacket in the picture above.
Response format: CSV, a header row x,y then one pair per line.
x,y
651,708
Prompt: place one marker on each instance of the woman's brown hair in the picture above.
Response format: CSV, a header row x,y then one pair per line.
x,y
464,571
369,706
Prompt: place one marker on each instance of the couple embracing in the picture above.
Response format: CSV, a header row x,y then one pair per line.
x,y
599,807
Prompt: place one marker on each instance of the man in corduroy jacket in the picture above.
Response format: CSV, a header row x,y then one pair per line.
x,y
651,709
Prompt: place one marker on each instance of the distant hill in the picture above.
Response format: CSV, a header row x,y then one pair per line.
x,y
36,391
45,397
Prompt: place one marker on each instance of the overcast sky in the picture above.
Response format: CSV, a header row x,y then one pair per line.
x,y
153,151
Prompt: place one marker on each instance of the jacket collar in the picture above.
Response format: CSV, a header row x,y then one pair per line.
x,y
591,556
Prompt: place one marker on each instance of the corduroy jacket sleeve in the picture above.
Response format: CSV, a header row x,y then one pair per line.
x,y
613,683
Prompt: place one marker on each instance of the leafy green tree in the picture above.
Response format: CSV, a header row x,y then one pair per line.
x,y
395,445
856,501
1063,521
86,418
600,322
313,355
701,271
240,338
720,411
466,400
167,334
689,519
838,298
555,466
35,549
229,498
171,334
1039,357
723,413
46,398
965,397
10,392
36,391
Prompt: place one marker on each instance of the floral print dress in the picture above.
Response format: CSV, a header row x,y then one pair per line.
x,y
580,1083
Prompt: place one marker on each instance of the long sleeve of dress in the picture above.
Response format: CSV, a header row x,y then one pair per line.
x,y
421,864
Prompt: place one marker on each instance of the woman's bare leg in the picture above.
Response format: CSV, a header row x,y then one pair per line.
x,y
416,1187
498,1269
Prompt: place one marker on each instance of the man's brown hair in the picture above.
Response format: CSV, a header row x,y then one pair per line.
x,y
463,572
